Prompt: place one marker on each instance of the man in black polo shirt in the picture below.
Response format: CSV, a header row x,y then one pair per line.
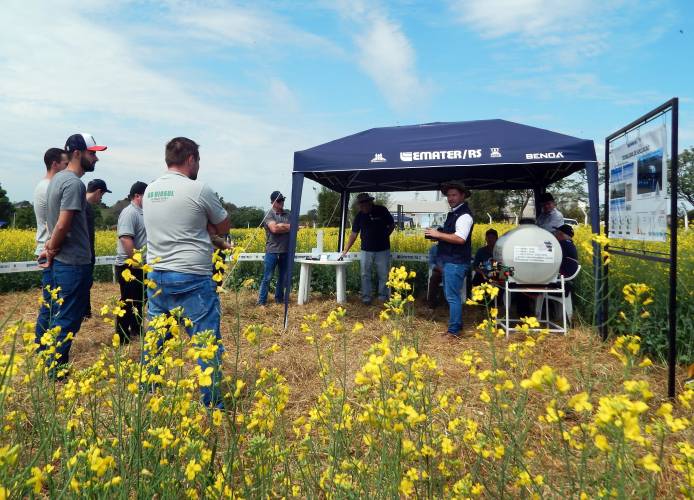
x,y
374,223
569,261
455,250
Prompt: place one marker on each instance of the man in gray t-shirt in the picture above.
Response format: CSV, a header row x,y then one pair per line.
x,y
55,160
180,215
131,237
276,226
67,251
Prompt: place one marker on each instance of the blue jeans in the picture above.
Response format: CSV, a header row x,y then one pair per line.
x,y
44,317
271,261
367,261
453,280
74,282
197,295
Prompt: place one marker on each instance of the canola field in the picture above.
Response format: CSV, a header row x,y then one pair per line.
x,y
347,406
17,245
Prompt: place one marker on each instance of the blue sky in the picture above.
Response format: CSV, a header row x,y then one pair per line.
x,y
253,82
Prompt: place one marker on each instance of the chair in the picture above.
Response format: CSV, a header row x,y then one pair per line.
x,y
566,300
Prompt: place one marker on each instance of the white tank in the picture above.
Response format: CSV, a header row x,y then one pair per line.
x,y
533,252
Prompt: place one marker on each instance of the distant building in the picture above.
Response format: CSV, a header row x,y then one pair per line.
x,y
423,213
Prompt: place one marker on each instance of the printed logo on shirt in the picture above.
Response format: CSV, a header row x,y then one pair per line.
x,y
495,152
378,158
159,196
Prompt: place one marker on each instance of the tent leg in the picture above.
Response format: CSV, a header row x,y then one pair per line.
x,y
297,187
537,191
594,206
344,209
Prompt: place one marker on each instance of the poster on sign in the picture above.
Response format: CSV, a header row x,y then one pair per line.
x,y
638,188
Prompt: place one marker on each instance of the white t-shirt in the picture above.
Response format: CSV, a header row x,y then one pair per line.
x,y
176,211
463,224
41,211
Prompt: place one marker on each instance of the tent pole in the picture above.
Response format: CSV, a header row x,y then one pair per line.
x,y
344,206
537,191
594,207
297,188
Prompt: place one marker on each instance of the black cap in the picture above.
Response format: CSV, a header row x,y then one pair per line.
x,y
95,184
566,229
137,188
545,197
276,196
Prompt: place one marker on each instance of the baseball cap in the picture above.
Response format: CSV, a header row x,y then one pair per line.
x,y
276,196
95,184
137,188
566,229
82,142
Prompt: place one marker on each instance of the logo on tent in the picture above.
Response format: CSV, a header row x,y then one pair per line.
x,y
378,158
544,156
495,152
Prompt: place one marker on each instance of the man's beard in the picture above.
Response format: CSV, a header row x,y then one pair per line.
x,y
87,165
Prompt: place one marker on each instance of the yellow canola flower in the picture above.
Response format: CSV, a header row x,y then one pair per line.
x,y
650,463
192,469
580,403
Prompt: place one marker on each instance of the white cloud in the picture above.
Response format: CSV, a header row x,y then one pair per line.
x,y
572,28
386,55
234,25
66,70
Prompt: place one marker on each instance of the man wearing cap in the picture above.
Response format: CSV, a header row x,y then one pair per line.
x,y
550,217
132,236
374,224
180,212
55,160
455,250
276,226
95,192
67,251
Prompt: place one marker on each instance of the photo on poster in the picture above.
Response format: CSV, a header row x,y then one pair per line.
x,y
627,171
628,192
617,191
650,174
616,174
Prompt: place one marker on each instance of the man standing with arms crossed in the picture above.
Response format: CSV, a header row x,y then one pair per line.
x,y
178,210
68,251
55,160
131,237
276,225
455,250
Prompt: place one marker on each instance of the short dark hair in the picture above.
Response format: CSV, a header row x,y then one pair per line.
x,y
52,155
492,231
179,149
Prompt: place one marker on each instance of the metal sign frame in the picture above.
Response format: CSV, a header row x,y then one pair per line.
x,y
669,258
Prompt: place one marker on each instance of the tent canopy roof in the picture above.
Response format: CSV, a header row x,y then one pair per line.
x,y
485,154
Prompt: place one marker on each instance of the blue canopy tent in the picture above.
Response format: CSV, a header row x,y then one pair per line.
x,y
484,154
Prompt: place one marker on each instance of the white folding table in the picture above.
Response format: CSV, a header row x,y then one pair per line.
x,y
305,278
